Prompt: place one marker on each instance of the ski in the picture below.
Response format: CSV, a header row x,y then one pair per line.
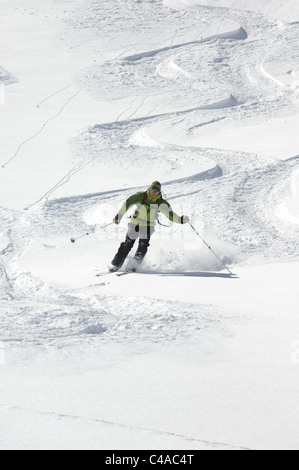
x,y
125,273
104,273
114,272
130,268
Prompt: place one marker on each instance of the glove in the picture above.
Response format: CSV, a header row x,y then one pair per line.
x,y
116,220
185,219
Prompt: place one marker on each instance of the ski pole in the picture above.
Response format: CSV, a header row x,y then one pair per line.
x,y
73,240
193,228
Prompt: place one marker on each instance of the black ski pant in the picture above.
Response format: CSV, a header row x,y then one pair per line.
x,y
134,231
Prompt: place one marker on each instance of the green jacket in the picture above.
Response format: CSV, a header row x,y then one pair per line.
x,y
148,209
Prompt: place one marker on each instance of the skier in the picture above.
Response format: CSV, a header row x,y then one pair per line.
x,y
142,224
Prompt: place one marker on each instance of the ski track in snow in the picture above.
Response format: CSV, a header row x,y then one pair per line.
x,y
204,445
4,165
74,419
48,319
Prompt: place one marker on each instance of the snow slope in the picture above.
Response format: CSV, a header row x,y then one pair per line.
x,y
97,100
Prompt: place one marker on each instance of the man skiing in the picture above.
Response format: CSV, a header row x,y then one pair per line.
x,y
142,223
